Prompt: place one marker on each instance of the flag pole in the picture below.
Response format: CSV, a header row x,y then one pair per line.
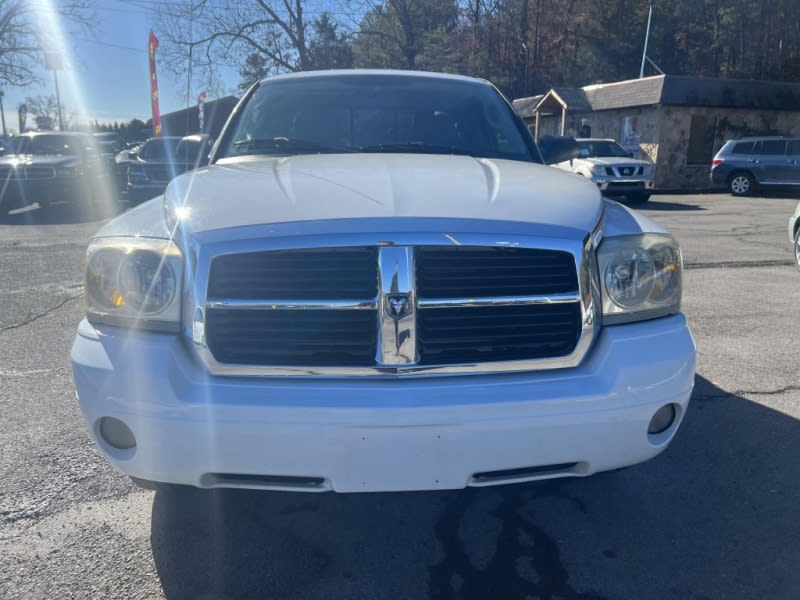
x,y
646,39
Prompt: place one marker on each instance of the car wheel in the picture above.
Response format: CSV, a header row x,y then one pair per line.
x,y
638,198
741,184
797,247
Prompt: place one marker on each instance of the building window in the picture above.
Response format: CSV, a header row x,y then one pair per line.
x,y
701,141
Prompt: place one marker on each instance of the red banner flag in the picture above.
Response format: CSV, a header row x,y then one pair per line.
x,y
152,46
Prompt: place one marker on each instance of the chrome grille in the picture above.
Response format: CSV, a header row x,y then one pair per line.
x,y
7,172
39,172
293,307
394,308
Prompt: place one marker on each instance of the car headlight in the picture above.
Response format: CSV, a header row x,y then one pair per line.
x,y
640,277
134,282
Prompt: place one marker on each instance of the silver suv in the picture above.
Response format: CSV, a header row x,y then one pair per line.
x,y
745,164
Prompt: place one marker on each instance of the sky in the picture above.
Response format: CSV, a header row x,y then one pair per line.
x,y
106,77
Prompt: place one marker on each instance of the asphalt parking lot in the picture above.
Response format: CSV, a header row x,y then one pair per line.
x,y
715,516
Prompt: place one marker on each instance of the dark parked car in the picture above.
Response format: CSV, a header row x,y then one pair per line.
x,y
110,143
749,163
52,167
7,145
156,165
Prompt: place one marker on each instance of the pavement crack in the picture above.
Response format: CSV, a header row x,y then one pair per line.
x,y
727,394
788,262
40,315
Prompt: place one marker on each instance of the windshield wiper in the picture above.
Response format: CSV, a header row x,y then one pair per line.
x,y
284,144
415,148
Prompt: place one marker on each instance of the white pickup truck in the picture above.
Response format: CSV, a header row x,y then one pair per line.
x,y
614,171
376,285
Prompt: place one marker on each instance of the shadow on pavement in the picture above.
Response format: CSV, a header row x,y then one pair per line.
x,y
713,517
64,213
669,206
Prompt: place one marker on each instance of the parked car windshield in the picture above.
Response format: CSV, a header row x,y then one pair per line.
x,y
379,113
53,144
189,149
159,148
601,148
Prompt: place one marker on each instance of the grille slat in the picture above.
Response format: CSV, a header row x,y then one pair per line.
x,y
317,274
291,338
468,271
485,334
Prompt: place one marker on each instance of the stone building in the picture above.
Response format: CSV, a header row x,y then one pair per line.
x,y
676,122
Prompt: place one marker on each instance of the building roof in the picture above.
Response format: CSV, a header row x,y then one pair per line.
x,y
673,90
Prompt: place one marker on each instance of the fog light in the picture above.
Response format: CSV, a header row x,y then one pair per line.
x,y
116,434
662,420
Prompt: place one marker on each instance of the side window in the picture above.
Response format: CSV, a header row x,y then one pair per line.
x,y
773,147
794,147
743,148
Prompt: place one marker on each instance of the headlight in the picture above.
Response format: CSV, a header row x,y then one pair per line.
x,y
640,277
134,282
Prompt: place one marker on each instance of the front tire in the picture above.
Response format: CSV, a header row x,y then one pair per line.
x,y
741,184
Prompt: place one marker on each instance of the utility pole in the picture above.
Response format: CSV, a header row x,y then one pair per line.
x,y
536,33
525,88
646,39
58,102
2,114
52,61
189,72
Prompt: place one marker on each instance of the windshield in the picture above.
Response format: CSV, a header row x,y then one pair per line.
x,y
188,150
601,148
363,113
159,149
55,145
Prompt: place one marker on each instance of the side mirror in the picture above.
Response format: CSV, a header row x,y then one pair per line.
x,y
632,154
556,149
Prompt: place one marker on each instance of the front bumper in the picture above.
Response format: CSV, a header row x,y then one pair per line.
x,y
388,434
16,193
623,185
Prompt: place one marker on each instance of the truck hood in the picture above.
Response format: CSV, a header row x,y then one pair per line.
x,y
259,190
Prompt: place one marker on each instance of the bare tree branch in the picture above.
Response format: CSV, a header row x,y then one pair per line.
x,y
24,36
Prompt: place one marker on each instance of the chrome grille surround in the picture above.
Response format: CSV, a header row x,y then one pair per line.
x,y
397,353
